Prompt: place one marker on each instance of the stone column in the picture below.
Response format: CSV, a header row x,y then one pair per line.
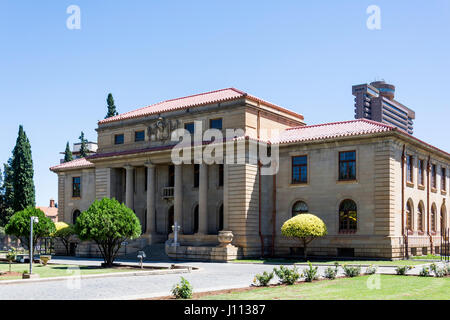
x,y
151,192
178,196
129,187
203,200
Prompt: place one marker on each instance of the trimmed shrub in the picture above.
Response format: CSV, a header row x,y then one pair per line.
x,y
371,269
352,271
402,270
108,223
286,275
305,227
438,272
182,290
330,273
310,273
19,226
425,272
262,280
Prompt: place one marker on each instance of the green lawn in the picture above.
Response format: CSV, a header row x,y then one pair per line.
x,y
56,270
318,262
391,288
427,257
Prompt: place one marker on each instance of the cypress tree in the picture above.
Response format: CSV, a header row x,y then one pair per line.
x,y
8,192
22,166
83,149
68,154
111,107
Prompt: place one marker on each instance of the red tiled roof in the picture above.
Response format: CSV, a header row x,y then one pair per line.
x,y
49,211
74,164
331,130
197,100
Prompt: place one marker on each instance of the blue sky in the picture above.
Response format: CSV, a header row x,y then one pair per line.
x,y
303,55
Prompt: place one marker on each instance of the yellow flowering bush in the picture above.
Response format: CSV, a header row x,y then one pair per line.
x,y
305,227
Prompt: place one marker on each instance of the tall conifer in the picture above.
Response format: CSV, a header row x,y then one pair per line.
x,y
111,107
22,167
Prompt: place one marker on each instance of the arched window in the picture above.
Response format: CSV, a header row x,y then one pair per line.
x,y
409,219
420,217
75,216
433,218
299,207
220,224
347,216
196,219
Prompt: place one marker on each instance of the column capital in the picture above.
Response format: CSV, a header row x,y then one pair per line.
x,y
128,167
149,164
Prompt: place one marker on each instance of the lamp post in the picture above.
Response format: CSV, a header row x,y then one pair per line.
x,y
33,220
176,228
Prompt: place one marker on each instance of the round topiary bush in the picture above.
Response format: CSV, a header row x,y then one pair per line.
x,y
305,227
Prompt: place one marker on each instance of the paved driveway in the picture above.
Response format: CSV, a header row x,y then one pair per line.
x,y
211,276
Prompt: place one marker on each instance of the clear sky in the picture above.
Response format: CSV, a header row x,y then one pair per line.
x,y
303,55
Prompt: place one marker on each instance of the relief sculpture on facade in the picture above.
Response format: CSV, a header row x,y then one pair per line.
x,y
161,129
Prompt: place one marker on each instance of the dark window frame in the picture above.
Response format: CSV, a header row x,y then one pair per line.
x,y
340,178
443,179
301,179
139,138
216,119
346,225
116,141
188,124
433,176
410,168
76,187
421,172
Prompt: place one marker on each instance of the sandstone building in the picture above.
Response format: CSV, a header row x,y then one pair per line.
x,y
374,185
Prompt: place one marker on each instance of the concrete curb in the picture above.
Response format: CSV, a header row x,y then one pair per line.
x,y
101,275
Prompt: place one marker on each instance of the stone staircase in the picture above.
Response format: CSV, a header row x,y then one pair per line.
x,y
154,252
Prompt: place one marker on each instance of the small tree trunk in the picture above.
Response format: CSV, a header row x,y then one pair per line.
x,y
304,248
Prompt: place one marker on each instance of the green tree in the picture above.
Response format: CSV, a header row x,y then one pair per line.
x,y
68,154
305,227
108,223
19,226
7,193
111,107
64,232
22,167
83,149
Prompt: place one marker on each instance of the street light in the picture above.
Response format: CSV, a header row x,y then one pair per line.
x,y
33,220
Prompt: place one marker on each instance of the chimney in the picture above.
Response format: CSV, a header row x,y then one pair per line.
x,y
52,203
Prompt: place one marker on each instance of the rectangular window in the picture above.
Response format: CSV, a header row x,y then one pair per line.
x,y
299,169
76,187
443,179
139,136
409,168
196,175
433,176
190,127
421,172
347,165
119,139
215,124
220,175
